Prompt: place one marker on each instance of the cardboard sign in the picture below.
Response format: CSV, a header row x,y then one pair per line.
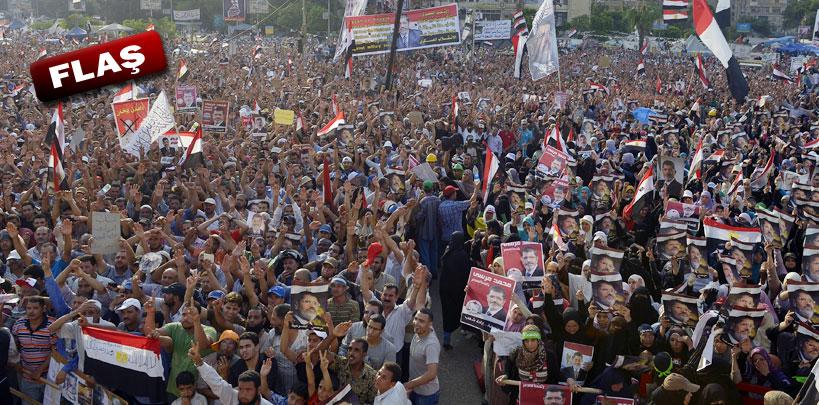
x,y
106,232
283,117
416,118
487,301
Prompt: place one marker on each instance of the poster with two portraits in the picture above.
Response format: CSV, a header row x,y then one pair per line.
x,y
488,300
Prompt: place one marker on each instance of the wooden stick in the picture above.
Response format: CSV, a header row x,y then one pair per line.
x,y
24,397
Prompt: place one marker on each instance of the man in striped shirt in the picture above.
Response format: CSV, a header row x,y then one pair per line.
x,y
34,342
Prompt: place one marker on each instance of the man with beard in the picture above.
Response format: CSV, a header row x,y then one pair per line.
x,y
121,270
495,299
255,322
307,308
249,384
340,306
352,369
531,265
679,313
286,378
252,359
796,344
605,294
741,329
802,304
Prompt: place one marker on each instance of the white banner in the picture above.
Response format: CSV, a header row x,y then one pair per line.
x,y
353,8
816,28
257,7
542,43
186,15
150,4
491,30
159,119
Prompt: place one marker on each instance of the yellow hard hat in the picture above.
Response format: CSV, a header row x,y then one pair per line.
x,y
431,158
712,113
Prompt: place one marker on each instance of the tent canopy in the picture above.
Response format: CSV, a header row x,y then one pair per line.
x,y
76,32
693,45
16,25
115,28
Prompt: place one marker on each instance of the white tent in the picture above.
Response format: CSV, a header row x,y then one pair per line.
x,y
114,28
693,45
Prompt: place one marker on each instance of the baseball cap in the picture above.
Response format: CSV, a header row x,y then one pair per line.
x,y
326,228
130,302
676,382
338,280
215,295
373,251
226,335
688,194
388,144
320,333
428,184
210,201
175,289
457,167
331,261
278,291
448,190
347,159
13,255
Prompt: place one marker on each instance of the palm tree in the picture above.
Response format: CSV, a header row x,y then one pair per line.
x,y
642,17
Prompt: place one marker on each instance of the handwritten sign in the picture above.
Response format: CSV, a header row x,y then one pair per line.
x,y
283,117
106,231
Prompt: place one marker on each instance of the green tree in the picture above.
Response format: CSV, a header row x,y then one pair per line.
x,y
799,12
163,25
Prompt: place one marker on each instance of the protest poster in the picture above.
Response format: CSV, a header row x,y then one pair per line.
x,y
688,213
504,342
671,173
552,162
537,394
576,361
186,98
308,301
214,115
487,300
567,222
128,116
150,4
606,260
283,117
743,323
671,244
680,309
420,28
561,98
604,400
416,118
744,295
186,15
607,290
697,256
234,10
106,232
523,262
555,193
603,222
810,264
489,30
602,187
424,172
802,297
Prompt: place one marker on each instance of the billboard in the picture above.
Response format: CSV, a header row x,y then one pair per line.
x,y
234,10
150,4
421,28
492,30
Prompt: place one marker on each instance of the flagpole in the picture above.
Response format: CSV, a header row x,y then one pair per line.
x,y
559,82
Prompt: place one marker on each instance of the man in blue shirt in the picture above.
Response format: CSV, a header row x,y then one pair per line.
x,y
450,212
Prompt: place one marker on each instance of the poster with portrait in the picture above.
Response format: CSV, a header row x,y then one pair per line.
x,y
552,162
786,220
128,116
234,10
396,178
537,394
308,301
576,361
743,323
606,260
740,256
523,262
687,213
487,301
811,237
670,175
517,197
807,337
771,227
607,290
680,309
602,187
567,222
671,244
697,256
215,114
743,295
186,98
802,297
603,222
555,193
258,126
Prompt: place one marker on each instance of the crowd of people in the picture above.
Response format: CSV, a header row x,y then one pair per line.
x,y
297,268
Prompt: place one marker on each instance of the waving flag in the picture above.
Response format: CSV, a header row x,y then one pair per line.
x,y
709,33
760,177
127,92
643,196
716,156
780,75
719,231
335,105
182,72
122,361
695,108
519,26
675,11
519,46
257,51
455,108
193,154
658,85
333,124
701,72
557,238
327,186
696,163
736,183
644,47
542,43
598,87
299,122
348,63
641,68
489,170
723,14
555,140
150,27
42,54
55,137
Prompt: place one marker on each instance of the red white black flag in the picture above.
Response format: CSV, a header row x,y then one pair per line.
x,y
56,139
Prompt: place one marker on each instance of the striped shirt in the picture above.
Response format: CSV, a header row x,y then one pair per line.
x,y
346,311
35,345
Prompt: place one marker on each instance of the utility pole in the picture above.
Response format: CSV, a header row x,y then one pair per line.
x,y
395,27
303,25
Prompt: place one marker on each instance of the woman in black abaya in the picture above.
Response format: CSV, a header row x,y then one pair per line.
x,y
454,276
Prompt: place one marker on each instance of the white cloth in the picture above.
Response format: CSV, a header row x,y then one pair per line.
x,y
220,387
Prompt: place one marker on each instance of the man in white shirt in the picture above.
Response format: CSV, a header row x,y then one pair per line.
x,y
249,388
390,390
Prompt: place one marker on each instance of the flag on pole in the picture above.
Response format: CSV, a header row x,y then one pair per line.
x,y
42,54
675,11
780,75
557,238
193,154
570,138
333,124
722,13
489,170
150,27
455,108
519,47
542,43
641,68
182,72
716,156
658,85
695,108
519,26
735,184
125,362
760,176
719,231
701,72
335,105
160,118
55,137
644,47
348,63
694,172
712,37
299,122
257,51
644,194
555,140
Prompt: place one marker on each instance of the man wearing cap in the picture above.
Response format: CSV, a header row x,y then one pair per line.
x,y
669,391
426,223
130,315
69,327
224,356
340,306
450,213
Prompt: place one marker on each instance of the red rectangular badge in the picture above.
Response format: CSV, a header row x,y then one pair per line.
x,y
97,66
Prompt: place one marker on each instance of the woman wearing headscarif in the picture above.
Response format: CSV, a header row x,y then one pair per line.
x,y
529,362
454,276
760,370
614,382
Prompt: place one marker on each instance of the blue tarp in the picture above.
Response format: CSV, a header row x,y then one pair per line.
x,y
798,49
641,114
16,25
76,32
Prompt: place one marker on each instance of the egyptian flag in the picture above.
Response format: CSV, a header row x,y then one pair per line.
x,y
150,27
644,48
555,140
56,139
635,146
709,33
62,41
183,70
127,92
412,162
695,108
759,181
696,164
335,105
716,156
17,89
598,87
348,63
125,362
723,14
193,155
42,54
812,144
257,51
658,85
519,46
333,124
701,72
519,26
778,74
570,138
675,11
299,122
644,195
490,168
557,238
736,183
641,68
256,107
719,231
455,108
327,186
